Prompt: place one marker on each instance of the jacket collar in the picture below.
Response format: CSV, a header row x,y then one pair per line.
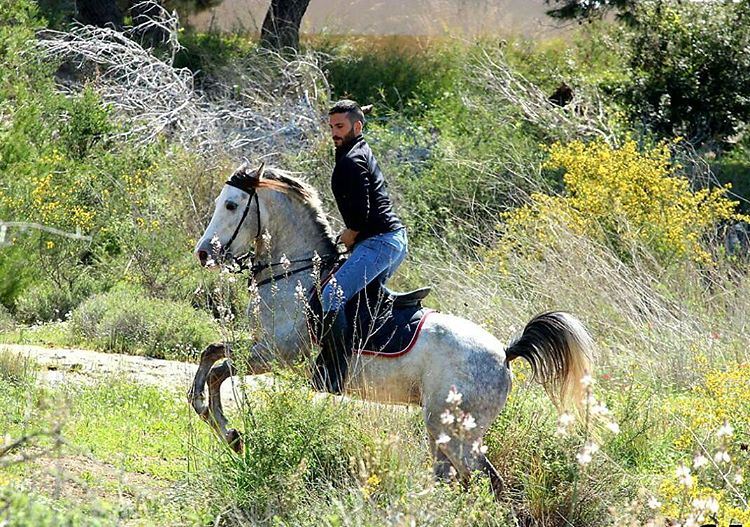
x,y
344,149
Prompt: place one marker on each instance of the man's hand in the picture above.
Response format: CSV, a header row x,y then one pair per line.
x,y
347,237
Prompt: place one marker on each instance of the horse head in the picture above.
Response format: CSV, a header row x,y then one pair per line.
x,y
236,221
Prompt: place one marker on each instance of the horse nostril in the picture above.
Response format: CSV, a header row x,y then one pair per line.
x,y
203,257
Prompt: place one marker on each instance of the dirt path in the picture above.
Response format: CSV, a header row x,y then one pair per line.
x,y
61,365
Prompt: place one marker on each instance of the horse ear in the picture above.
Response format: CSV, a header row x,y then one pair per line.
x,y
261,168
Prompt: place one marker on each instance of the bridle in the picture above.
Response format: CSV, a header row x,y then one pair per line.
x,y
246,183
225,250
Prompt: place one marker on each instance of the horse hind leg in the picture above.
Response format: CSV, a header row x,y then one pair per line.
x,y
465,460
442,468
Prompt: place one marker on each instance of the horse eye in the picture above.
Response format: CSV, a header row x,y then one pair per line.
x,y
231,205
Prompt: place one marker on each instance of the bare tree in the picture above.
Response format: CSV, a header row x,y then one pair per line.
x,y
281,26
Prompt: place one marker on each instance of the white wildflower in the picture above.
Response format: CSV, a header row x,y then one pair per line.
x,y
447,417
722,456
653,503
598,408
613,427
266,238
587,381
469,422
586,454
478,448
299,292
563,422
454,396
712,505
285,263
683,476
442,439
565,419
738,479
700,461
725,431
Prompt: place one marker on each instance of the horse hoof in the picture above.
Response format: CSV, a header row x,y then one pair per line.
x,y
234,439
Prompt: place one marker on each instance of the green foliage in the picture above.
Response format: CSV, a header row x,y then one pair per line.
x,y
690,68
16,368
7,322
206,53
46,301
292,442
19,508
588,10
127,320
402,73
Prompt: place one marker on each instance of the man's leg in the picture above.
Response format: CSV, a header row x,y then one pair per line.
x,y
370,260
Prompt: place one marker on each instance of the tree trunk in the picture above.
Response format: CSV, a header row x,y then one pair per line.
x,y
281,26
99,13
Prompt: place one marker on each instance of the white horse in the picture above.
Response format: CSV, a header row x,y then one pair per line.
x,y
282,218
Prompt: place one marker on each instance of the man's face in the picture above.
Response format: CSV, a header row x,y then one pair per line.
x,y
342,130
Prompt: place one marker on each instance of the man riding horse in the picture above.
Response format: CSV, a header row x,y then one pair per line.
x,y
374,235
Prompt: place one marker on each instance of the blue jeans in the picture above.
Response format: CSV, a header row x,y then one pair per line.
x,y
375,258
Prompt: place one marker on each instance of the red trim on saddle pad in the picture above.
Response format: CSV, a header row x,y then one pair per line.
x,y
408,348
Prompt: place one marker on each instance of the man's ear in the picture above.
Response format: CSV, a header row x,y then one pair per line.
x,y
357,127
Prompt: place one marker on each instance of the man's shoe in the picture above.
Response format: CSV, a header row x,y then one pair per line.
x,y
332,363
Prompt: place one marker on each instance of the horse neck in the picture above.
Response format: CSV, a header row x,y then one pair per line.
x,y
295,229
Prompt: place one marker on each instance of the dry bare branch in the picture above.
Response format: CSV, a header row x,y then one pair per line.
x,y
586,115
267,102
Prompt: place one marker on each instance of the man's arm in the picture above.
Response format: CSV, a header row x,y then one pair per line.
x,y
355,205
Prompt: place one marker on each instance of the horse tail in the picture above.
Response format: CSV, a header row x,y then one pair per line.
x,y
557,347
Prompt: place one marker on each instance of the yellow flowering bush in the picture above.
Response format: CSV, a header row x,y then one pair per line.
x,y
623,197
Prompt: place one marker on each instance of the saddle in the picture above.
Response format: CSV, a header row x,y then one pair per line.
x,y
381,321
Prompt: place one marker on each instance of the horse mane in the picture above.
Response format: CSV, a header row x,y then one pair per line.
x,y
282,181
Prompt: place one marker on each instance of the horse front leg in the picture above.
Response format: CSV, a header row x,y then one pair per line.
x,y
257,362
210,355
217,420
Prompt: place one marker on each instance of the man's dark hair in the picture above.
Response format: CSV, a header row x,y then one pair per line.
x,y
352,110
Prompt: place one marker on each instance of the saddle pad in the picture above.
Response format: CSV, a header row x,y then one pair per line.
x,y
376,328
396,335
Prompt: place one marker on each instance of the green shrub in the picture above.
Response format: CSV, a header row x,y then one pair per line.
x,y
690,68
403,73
7,322
127,320
294,446
16,368
45,301
20,508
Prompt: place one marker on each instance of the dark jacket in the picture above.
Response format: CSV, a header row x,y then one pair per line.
x,y
360,191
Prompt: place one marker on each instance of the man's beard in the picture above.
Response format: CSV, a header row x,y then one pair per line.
x,y
347,139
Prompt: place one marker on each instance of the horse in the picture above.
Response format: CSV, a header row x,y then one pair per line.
x,y
453,360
